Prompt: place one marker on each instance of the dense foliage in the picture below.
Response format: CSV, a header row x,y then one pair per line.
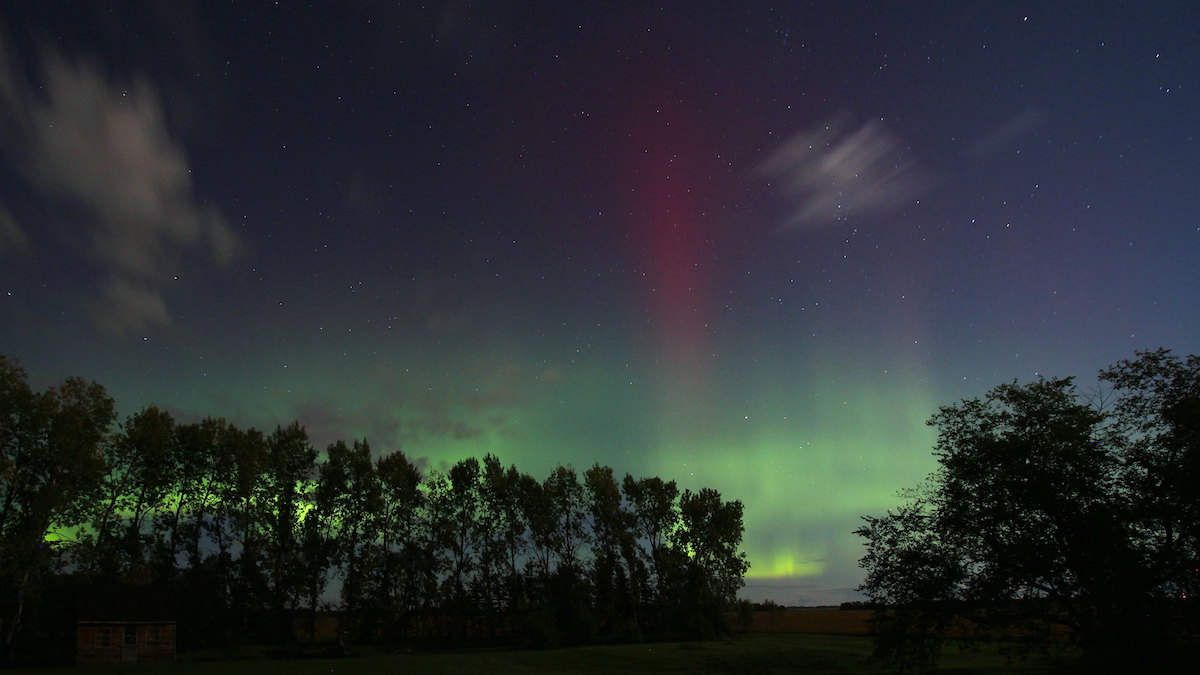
x,y
254,530
1052,519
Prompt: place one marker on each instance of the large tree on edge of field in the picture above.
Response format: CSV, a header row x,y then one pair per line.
x,y
1155,429
50,458
1035,526
712,567
614,592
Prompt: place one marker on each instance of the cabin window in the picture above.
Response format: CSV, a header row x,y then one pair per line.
x,y
154,636
103,637
131,635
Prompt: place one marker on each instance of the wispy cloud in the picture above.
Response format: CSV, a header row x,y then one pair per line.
x,y
105,146
13,240
833,171
1011,131
405,411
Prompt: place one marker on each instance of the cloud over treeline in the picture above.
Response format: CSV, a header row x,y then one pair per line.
x,y
104,146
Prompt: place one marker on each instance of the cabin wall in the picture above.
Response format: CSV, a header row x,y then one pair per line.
x,y
101,642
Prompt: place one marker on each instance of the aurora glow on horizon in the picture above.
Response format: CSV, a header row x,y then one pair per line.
x,y
750,248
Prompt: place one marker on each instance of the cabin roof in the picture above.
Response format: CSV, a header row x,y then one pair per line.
x,y
117,603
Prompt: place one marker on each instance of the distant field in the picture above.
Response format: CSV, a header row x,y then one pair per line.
x,y
830,621
750,653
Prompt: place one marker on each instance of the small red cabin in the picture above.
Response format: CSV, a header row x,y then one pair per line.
x,y
115,624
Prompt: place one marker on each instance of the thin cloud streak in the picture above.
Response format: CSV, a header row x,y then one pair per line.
x,y
13,240
1013,130
829,174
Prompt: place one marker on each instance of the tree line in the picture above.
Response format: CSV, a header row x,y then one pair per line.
x,y
258,532
1054,518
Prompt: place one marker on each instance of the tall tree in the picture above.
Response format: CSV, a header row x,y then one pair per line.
x,y
1156,432
245,508
454,519
537,510
317,553
50,457
203,519
290,468
141,460
569,595
200,463
654,504
349,492
709,537
503,541
400,527
1036,519
615,568
568,501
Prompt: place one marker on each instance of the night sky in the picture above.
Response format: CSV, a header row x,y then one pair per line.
x,y
750,246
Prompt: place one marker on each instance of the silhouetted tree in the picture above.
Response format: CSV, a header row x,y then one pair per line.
x,y
201,460
569,593
1155,432
538,512
246,508
206,468
50,454
654,505
290,468
145,448
709,537
349,492
205,475
454,519
250,531
615,599
1047,513
139,474
502,541
567,502
194,444
398,579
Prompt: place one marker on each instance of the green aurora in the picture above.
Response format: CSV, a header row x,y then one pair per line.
x,y
806,461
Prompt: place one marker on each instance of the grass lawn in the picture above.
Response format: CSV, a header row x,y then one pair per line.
x,y
750,653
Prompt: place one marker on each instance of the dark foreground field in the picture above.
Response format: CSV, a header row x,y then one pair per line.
x,y
749,653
